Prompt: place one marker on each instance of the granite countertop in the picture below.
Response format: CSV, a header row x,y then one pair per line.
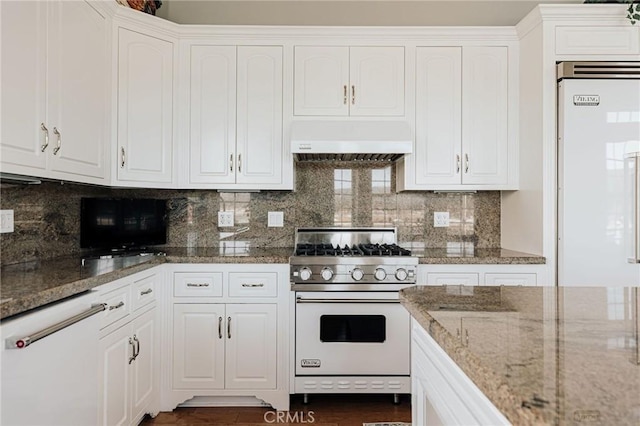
x,y
30,285
542,355
476,256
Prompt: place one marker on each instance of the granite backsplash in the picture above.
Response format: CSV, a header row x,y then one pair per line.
x,y
47,216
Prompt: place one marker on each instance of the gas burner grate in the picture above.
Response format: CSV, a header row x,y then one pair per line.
x,y
354,250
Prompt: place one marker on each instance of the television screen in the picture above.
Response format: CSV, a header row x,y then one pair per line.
x,y
119,223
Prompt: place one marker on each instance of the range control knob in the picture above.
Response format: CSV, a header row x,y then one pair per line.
x,y
380,274
401,274
327,273
305,273
357,274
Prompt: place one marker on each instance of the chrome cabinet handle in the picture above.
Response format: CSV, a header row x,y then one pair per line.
x,y
457,163
253,285
133,348
219,327
122,157
118,306
231,163
353,95
239,163
145,292
344,94
197,284
137,347
229,328
466,163
59,145
46,137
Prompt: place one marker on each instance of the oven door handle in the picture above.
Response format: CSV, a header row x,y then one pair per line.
x,y
301,300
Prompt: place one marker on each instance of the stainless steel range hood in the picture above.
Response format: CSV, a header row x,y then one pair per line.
x,y
350,140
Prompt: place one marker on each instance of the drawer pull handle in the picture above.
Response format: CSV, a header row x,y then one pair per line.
x,y
118,306
145,292
253,285
197,284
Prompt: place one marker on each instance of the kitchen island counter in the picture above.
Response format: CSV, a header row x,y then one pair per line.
x,y
30,285
541,355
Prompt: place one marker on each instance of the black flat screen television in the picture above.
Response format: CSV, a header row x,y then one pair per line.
x,y
122,223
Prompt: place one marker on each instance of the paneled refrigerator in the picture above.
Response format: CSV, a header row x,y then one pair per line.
x,y
598,174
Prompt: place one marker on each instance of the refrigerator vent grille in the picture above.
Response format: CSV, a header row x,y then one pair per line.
x,y
599,70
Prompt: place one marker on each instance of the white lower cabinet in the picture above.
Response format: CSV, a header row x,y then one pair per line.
x,y
441,393
130,351
481,274
218,346
228,337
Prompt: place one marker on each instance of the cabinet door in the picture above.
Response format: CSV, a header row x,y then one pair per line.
x,y
437,154
23,75
484,112
78,87
377,81
145,368
259,128
145,108
527,279
251,346
198,346
117,350
213,114
321,80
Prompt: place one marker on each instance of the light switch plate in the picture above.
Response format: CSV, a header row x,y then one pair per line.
x,y
275,219
225,219
440,219
6,221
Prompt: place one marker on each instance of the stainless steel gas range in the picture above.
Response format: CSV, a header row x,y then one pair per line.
x,y
352,335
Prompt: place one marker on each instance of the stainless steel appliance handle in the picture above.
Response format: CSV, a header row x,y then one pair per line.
x,y
23,342
302,300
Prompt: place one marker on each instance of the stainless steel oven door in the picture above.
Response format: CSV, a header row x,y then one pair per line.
x,y
349,333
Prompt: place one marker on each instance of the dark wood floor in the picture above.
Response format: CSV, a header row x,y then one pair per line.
x,y
326,410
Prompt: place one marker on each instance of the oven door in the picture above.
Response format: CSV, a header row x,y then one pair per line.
x,y
348,333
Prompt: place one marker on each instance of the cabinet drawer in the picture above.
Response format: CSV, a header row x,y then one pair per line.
x,y
253,284
118,305
200,284
144,291
510,279
443,278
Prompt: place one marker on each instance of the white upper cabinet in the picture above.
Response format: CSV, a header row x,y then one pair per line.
x,y
355,81
145,109
55,90
484,111
236,139
462,124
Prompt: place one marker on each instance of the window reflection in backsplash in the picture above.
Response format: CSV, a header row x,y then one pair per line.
x,y
327,194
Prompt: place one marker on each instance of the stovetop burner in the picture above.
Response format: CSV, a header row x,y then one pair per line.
x,y
354,250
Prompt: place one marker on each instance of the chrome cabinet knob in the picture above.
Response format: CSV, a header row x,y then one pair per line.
x,y
357,274
401,274
327,274
305,274
380,274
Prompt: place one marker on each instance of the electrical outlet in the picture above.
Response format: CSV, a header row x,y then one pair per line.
x,y
275,219
440,219
225,219
6,221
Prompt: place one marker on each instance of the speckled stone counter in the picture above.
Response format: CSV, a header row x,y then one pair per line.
x,y
487,256
30,285
542,355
